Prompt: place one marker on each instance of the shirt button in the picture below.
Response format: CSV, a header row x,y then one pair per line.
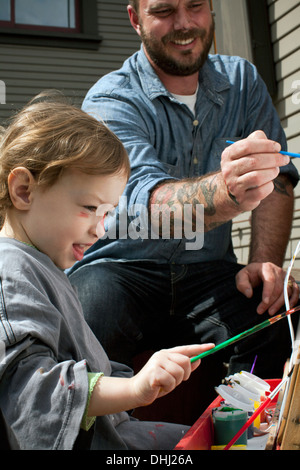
x,y
195,161
196,122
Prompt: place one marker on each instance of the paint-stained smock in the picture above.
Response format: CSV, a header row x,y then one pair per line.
x,y
47,350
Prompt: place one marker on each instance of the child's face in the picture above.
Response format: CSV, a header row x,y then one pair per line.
x,y
62,220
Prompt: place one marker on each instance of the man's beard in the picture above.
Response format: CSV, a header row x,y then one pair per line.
x,y
168,64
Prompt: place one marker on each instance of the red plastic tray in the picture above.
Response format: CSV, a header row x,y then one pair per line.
x,y
200,436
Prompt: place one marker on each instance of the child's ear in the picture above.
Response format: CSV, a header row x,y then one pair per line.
x,y
20,185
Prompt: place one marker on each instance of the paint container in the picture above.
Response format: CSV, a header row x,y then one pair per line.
x,y
238,400
234,447
235,398
250,382
252,387
227,422
251,394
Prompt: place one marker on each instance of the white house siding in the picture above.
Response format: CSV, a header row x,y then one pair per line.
x,y
285,33
27,70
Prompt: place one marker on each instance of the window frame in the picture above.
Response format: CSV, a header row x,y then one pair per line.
x,y
13,24
262,48
85,36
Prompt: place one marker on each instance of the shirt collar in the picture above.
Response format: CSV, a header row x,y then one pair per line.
x,y
151,84
211,81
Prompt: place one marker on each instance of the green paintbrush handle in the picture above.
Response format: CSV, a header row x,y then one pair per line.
x,y
246,333
231,340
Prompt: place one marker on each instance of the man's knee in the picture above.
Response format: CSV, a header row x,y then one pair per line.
x,y
90,281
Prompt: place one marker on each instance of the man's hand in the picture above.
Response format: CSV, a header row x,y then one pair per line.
x,y
249,167
272,277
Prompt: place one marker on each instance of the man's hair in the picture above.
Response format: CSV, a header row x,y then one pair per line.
x,y
49,136
134,4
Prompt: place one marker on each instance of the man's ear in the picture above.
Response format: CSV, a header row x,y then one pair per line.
x,y
134,19
20,186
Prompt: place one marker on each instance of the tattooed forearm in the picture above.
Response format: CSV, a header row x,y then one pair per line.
x,y
209,189
169,201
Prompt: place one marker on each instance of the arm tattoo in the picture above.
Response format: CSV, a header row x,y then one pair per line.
x,y
171,196
280,186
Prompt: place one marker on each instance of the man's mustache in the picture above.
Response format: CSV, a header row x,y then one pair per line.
x,y
184,35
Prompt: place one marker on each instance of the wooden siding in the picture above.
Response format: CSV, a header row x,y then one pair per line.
x,y
27,70
285,33
232,28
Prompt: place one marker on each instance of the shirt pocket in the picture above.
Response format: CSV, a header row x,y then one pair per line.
x,y
172,170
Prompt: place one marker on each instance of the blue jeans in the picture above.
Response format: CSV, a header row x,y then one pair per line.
x,y
136,306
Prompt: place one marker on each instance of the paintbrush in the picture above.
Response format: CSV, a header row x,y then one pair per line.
x,y
250,331
290,154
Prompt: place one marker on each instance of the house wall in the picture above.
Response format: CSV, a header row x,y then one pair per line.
x,y
284,18
285,31
232,28
27,70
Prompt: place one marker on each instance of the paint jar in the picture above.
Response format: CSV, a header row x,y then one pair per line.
x,y
235,398
251,382
227,421
238,400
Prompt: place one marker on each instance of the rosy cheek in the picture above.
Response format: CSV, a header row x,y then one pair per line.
x,y
83,215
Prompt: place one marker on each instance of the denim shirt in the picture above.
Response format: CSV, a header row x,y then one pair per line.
x,y
165,140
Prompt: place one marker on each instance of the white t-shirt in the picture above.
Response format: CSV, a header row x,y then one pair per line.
x,y
189,100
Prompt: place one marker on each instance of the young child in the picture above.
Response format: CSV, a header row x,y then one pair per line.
x,y
60,170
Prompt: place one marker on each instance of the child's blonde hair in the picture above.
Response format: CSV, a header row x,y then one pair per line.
x,y
50,135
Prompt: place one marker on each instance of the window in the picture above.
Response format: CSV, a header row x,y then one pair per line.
x,y
73,21
62,14
5,10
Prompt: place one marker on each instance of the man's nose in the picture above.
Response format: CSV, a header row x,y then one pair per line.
x,y
182,19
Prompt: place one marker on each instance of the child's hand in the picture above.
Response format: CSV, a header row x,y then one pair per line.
x,y
164,371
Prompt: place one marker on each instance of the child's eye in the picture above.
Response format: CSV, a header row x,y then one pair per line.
x,y
104,210
91,208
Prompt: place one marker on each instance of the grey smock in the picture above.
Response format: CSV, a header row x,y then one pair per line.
x,y
47,350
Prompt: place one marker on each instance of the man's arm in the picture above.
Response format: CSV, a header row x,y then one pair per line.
x,y
271,224
248,170
270,228
170,197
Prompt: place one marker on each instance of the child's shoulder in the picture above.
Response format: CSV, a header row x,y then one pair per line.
x,y
11,248
16,257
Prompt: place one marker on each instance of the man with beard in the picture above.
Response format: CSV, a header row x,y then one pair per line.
x,y
174,106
